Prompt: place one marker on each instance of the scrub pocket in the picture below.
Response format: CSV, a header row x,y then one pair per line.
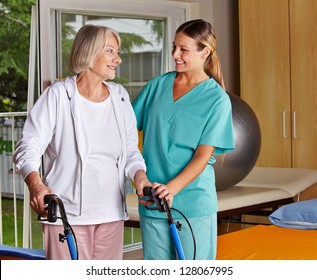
x,y
187,129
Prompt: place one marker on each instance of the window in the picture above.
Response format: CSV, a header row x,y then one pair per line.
x,y
146,29
142,46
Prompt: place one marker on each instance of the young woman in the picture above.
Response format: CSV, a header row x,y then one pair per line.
x,y
186,117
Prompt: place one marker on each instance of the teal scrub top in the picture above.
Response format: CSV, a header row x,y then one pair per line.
x,y
172,130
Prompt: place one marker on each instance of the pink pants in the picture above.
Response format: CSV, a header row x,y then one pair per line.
x,y
95,242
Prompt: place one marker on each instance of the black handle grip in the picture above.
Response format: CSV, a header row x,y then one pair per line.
x,y
148,191
49,197
50,200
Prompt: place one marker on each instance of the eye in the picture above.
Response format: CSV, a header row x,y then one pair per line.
x,y
109,50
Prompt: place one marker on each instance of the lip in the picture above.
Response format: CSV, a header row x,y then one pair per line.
x,y
114,68
179,62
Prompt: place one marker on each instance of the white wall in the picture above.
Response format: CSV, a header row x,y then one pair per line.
x,y
222,14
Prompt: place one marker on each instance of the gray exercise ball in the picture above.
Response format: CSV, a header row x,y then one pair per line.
x,y
234,166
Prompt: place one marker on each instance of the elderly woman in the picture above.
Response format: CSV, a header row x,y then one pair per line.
x,y
86,130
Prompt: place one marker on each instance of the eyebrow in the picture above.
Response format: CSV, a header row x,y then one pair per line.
x,y
182,46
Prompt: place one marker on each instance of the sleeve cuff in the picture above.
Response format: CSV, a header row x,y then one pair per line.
x,y
131,172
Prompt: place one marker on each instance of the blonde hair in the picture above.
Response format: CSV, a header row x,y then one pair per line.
x,y
203,32
89,41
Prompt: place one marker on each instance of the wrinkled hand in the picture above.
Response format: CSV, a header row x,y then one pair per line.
x,y
141,181
37,192
37,199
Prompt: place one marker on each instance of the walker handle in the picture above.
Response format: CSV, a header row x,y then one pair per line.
x,y
147,191
150,192
50,200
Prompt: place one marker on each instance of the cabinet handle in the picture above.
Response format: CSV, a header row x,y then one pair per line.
x,y
284,125
294,125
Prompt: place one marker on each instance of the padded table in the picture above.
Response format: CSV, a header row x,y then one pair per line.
x,y
290,180
268,243
264,187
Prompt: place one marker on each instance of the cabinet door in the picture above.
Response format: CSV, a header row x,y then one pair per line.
x,y
303,38
265,78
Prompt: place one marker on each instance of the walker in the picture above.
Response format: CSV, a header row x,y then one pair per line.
x,y
52,202
162,206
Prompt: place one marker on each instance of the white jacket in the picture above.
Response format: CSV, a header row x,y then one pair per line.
x,y
54,128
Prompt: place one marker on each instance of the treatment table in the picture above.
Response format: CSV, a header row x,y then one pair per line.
x,y
264,187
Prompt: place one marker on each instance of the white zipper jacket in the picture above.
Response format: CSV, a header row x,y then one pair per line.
x,y
55,129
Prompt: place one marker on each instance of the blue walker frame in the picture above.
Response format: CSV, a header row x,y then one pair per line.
x,y
162,206
52,202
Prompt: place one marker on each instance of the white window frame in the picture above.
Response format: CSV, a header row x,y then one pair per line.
x,y
174,12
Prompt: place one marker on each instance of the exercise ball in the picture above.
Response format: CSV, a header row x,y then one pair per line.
x,y
234,166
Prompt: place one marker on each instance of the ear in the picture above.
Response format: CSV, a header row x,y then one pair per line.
x,y
205,52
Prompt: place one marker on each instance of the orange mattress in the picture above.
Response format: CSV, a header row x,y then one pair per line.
x,y
268,243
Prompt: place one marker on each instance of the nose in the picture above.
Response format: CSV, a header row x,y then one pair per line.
x,y
175,53
117,59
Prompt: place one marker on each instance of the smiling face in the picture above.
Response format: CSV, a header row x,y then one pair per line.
x,y
186,54
105,63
